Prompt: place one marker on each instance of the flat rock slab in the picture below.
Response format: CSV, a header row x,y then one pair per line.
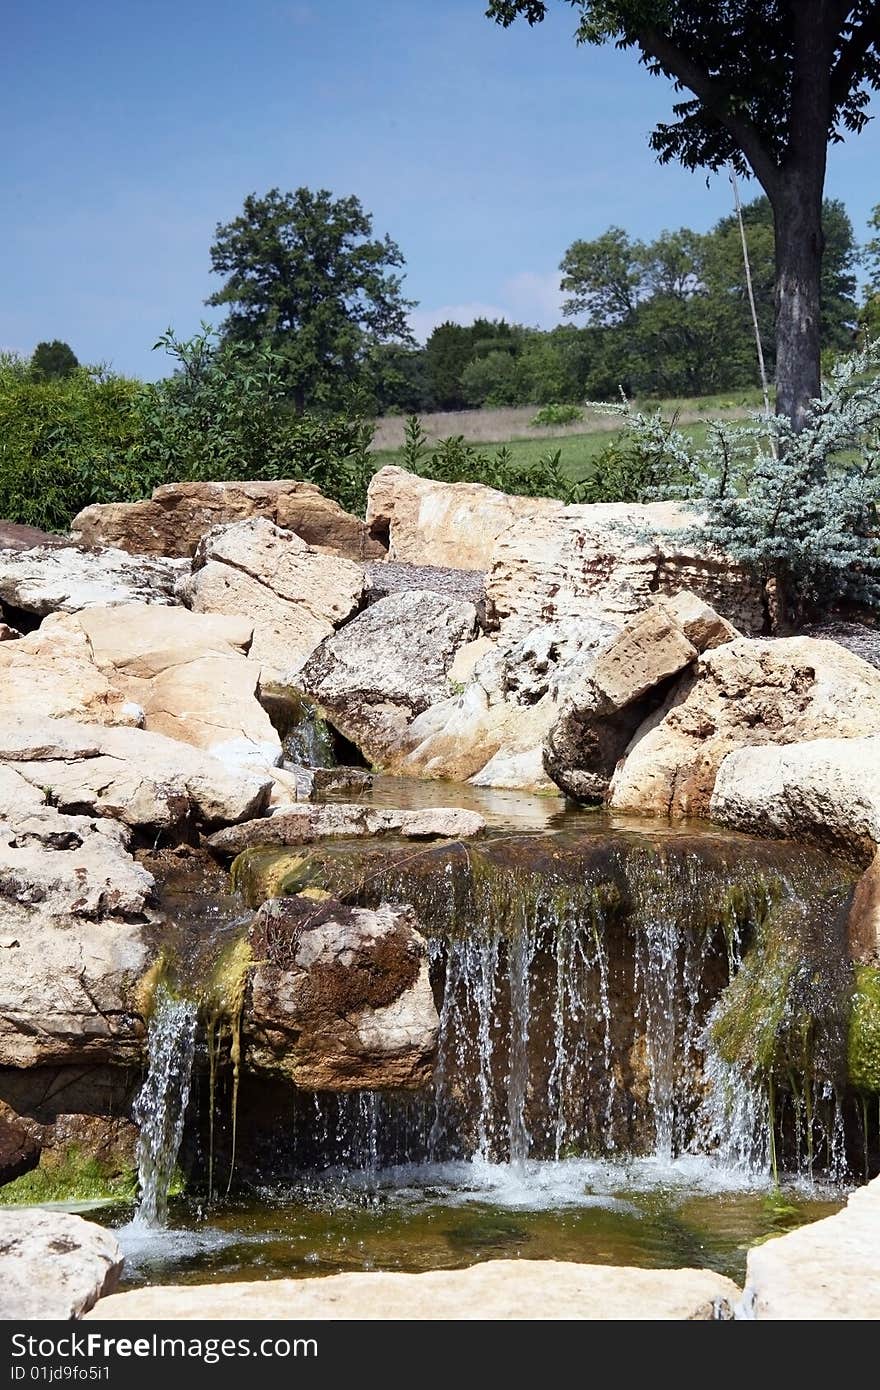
x,y
392,578
827,1271
54,1265
529,1290
297,825
63,579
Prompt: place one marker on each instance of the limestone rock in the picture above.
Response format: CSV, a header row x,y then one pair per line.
x,y
63,579
509,1290
141,779
293,594
19,1147
626,680
392,578
339,997
387,665
178,515
594,561
826,1271
181,674
7,633
54,1266
15,536
294,825
446,525
318,781
746,692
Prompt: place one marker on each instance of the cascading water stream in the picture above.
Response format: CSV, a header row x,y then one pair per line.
x,y
160,1108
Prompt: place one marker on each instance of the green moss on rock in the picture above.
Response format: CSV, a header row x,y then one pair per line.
x,y
75,1177
864,1031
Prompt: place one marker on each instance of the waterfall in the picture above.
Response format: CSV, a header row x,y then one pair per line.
x,y
160,1107
577,980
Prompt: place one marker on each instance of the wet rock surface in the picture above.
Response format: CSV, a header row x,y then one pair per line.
x,y
301,824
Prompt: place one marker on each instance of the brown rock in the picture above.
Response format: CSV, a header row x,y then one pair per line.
x,y
19,1146
178,515
744,693
340,997
307,822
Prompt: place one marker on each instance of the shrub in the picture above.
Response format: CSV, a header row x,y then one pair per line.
x,y
454,460
556,414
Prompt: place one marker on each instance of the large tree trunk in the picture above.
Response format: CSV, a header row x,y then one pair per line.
x,y
797,210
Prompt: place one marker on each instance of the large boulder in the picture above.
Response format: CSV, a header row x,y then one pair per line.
x,y
63,579
608,560
143,780
386,666
448,525
181,674
826,1271
339,997
826,792
178,515
54,1266
293,594
295,825
628,679
747,692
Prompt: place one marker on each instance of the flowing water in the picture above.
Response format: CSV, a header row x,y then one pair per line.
x,y
579,1108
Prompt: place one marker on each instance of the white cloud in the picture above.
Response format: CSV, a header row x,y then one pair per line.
x,y
532,297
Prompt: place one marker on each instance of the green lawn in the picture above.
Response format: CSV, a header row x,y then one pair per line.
x,y
577,451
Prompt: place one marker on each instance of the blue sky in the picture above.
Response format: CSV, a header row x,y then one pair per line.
x,y
131,129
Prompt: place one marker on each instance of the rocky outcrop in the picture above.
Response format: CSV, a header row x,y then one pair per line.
x,y
19,1146
140,779
826,792
617,690
180,674
339,997
178,515
447,525
390,578
826,1271
303,824
54,1266
509,1290
386,666
744,693
294,595
63,579
608,561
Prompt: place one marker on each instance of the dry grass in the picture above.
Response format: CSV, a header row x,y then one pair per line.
x,y
500,426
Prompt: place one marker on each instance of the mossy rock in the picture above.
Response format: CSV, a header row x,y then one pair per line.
x,y
75,1177
864,1031
270,871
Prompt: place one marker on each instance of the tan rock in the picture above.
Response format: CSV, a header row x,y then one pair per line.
x,y
19,1146
509,1290
744,693
130,775
698,619
185,674
54,1266
293,594
306,822
178,515
827,1271
450,525
384,667
54,674
340,997
594,561
468,738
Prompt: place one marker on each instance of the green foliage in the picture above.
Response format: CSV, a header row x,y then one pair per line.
x,y
305,275
454,460
556,413
50,361
639,465
798,509
71,1177
66,442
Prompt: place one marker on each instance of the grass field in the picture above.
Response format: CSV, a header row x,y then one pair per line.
x,y
579,443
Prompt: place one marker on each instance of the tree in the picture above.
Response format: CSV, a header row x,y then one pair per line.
x,y
53,361
770,83
305,275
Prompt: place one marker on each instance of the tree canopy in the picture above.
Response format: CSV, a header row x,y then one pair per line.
x,y
306,275
53,361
